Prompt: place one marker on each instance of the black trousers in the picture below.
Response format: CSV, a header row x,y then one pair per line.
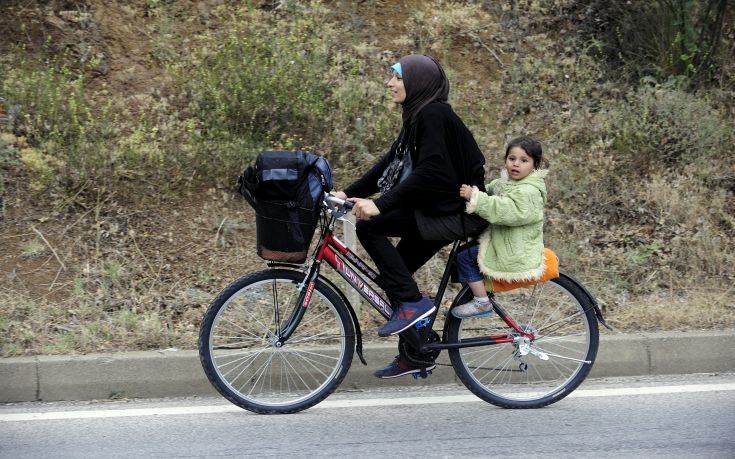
x,y
396,264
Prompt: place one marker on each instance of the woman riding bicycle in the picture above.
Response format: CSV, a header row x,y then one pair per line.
x,y
418,179
280,340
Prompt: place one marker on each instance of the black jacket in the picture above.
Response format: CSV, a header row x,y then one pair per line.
x,y
446,156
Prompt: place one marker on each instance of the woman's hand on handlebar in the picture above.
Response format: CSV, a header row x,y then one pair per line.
x,y
364,209
340,194
338,199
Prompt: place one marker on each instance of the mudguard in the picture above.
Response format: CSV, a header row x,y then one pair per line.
x,y
593,300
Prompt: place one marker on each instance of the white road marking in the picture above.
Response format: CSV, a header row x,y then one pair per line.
x,y
348,403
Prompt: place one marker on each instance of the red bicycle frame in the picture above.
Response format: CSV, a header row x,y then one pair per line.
x,y
337,255
334,252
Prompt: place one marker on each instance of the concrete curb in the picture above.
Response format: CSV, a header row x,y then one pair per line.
x,y
174,373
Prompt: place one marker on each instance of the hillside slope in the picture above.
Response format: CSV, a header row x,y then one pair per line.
x,y
123,244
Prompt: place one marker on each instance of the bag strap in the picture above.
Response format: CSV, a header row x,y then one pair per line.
x,y
244,190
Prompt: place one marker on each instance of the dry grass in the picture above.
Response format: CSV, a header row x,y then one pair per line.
x,y
696,308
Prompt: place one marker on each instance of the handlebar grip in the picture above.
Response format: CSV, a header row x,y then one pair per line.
x,y
347,205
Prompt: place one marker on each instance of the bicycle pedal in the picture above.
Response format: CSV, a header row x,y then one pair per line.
x,y
422,323
423,374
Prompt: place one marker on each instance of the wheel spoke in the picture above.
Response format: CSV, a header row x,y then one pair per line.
x,y
319,337
243,357
558,324
258,374
313,364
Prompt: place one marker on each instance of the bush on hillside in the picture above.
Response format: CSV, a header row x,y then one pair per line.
x,y
283,82
683,40
661,128
68,129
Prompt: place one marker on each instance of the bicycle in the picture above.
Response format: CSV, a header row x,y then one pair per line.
x,y
282,339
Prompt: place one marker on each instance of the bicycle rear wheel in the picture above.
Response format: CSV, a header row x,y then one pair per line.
x,y
529,374
241,354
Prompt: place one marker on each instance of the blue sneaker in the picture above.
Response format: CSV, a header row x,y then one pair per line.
x,y
407,314
399,367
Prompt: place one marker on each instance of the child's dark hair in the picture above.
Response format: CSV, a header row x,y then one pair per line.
x,y
531,146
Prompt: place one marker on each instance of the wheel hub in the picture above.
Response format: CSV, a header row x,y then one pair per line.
x,y
525,346
274,340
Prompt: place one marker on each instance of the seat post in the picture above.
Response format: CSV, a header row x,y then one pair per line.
x,y
447,273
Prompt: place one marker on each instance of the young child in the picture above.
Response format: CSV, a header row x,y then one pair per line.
x,y
511,248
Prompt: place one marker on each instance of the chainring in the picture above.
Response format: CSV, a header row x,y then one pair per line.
x,y
415,357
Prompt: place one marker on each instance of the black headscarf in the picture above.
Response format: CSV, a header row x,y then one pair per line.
x,y
425,82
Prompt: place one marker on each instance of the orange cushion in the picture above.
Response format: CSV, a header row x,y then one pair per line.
x,y
551,271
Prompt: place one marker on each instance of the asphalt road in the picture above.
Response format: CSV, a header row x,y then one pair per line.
x,y
650,417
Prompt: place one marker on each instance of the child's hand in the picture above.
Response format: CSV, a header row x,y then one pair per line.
x,y
465,191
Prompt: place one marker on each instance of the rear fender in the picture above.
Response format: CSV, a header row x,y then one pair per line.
x,y
593,300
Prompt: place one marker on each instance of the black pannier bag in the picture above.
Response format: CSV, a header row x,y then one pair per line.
x,y
285,188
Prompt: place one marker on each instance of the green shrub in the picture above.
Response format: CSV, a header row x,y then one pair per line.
x,y
667,128
275,81
68,130
7,156
669,40
286,79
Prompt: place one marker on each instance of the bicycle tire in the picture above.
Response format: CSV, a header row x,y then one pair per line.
x,y
563,319
240,355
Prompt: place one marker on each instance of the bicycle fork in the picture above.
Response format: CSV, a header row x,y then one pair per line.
x,y
306,288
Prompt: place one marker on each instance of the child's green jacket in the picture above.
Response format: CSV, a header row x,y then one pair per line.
x,y
511,248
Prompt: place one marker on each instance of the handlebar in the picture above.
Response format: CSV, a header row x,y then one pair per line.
x,y
332,200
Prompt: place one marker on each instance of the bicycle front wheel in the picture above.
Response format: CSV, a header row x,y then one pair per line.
x,y
529,373
243,358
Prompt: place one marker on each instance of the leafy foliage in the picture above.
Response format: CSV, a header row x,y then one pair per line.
x,y
679,40
282,81
662,128
55,114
